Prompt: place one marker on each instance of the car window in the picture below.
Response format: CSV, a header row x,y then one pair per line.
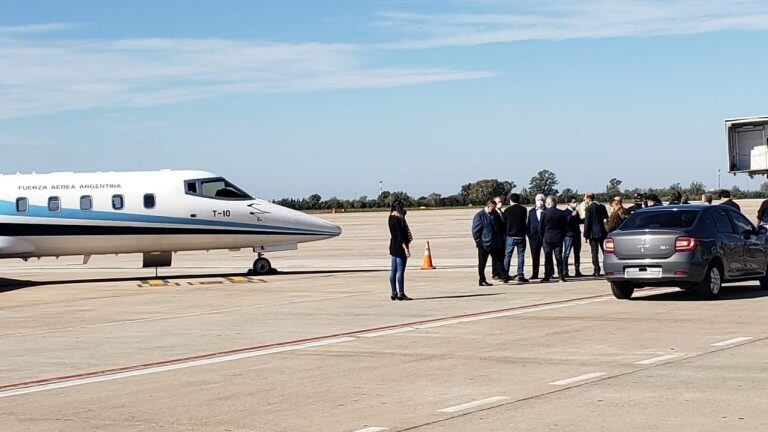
x,y
742,223
721,221
671,219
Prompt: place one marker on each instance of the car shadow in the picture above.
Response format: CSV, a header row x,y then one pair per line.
x,y
736,292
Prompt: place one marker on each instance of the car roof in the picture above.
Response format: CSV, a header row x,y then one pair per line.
x,y
678,207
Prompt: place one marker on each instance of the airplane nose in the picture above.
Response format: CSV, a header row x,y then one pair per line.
x,y
324,225
317,224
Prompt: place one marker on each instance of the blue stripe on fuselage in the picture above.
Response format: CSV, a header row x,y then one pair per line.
x,y
8,208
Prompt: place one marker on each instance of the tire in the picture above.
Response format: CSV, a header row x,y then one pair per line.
x,y
764,281
262,266
710,287
622,291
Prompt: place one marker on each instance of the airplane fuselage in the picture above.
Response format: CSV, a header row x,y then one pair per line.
x,y
63,214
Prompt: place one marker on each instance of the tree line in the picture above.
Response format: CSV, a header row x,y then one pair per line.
x,y
477,193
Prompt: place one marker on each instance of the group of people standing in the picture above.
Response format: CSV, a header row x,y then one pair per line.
x,y
500,234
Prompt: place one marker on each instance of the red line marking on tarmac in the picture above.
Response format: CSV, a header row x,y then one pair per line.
x,y
104,372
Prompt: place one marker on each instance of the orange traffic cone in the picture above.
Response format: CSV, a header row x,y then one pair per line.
x,y
427,263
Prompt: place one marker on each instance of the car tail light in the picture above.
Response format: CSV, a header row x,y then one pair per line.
x,y
686,244
609,246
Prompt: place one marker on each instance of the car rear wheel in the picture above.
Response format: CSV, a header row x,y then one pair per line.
x,y
710,287
622,291
764,281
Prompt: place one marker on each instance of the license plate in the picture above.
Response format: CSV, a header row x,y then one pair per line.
x,y
643,273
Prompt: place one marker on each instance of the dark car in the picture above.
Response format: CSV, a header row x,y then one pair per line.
x,y
689,246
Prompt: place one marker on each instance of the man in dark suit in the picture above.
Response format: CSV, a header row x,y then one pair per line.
x,y
572,242
762,213
534,235
499,254
594,229
553,227
487,239
725,196
653,200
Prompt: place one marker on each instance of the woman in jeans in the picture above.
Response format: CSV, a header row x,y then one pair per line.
x,y
399,249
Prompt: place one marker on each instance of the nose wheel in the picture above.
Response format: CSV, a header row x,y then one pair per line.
x,y
262,266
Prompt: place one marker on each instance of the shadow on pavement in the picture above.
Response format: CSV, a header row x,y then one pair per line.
x,y
8,284
739,292
460,296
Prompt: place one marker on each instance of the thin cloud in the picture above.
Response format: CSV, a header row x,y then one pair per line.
x,y
575,20
36,28
45,77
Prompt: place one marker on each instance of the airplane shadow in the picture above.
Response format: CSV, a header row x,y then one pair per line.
x,y
740,292
460,296
9,284
321,272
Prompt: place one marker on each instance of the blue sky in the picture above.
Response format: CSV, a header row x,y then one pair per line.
x,y
295,97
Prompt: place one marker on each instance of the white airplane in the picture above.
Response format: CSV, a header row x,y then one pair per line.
x,y
154,213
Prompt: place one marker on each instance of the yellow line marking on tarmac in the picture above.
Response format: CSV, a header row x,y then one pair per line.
x,y
153,283
213,282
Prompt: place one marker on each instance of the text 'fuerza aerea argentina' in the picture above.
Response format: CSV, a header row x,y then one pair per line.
x,y
70,186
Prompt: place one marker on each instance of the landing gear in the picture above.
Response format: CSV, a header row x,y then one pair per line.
x,y
262,266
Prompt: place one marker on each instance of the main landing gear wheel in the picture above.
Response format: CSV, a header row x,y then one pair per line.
x,y
262,266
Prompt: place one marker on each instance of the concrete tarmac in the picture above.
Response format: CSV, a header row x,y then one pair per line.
x,y
319,346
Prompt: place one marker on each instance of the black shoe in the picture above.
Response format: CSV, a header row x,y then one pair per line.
x,y
546,280
393,298
485,283
404,297
579,274
534,277
563,279
522,279
496,278
505,280
566,275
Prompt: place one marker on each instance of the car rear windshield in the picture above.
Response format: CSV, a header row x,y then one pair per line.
x,y
672,219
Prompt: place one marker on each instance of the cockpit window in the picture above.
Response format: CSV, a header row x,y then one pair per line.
x,y
216,188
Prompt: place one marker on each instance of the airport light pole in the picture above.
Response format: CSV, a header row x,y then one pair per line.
x,y
718,179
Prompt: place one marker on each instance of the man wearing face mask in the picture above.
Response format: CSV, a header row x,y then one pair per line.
x,y
534,234
487,239
572,240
